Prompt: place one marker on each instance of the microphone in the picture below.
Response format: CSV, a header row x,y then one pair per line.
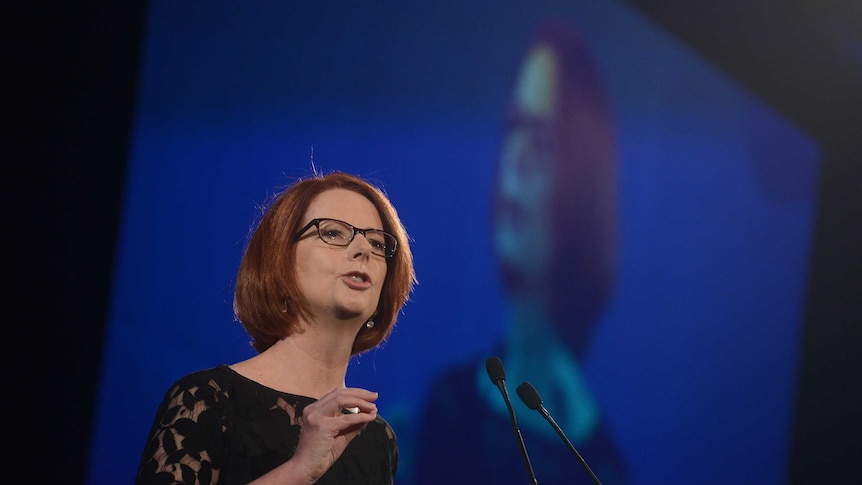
x,y
494,366
531,398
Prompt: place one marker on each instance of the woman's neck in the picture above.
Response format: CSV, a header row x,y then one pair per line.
x,y
308,363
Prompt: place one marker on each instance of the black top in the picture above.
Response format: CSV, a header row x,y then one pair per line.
x,y
461,441
217,427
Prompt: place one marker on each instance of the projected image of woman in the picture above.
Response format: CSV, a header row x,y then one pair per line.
x,y
554,219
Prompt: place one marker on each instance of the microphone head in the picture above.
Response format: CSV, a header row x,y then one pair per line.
x,y
529,395
494,366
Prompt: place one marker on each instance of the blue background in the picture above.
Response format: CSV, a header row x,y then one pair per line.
x,y
695,363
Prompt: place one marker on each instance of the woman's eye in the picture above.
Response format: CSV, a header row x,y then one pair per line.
x,y
333,234
377,241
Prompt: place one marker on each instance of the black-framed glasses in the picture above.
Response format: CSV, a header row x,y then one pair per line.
x,y
340,233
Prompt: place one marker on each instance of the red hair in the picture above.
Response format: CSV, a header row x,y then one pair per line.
x,y
267,299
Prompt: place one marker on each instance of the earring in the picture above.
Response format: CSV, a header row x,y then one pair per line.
x,y
369,323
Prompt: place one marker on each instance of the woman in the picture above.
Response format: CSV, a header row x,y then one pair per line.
x,y
322,279
554,240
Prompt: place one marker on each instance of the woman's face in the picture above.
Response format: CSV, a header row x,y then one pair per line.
x,y
523,232
341,282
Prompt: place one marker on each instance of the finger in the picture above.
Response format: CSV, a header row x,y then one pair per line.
x,y
348,400
357,406
357,392
351,424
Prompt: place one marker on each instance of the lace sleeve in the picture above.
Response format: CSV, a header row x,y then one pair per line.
x,y
184,445
393,448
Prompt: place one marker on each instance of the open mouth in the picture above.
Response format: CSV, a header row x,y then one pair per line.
x,y
357,277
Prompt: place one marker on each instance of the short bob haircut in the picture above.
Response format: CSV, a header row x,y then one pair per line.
x,y
267,299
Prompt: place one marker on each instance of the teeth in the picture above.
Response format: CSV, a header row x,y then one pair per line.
x,y
355,278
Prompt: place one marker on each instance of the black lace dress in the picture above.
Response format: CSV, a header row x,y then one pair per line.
x,y
217,427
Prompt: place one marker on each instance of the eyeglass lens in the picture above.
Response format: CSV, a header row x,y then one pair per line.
x,y
340,233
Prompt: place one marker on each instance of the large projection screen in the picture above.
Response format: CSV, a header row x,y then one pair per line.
x,y
692,362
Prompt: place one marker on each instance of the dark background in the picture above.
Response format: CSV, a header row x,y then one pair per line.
x,y
81,65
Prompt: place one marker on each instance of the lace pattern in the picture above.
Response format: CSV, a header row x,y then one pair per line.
x,y
217,427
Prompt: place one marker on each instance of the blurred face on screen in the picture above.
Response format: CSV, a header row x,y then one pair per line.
x,y
554,221
523,232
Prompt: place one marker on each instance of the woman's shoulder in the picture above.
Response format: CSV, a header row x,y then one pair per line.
x,y
217,379
225,382
220,372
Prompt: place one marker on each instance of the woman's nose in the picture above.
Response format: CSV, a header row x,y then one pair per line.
x,y
360,245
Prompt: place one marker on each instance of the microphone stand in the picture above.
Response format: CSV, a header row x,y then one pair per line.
x,y
569,444
494,366
531,398
502,385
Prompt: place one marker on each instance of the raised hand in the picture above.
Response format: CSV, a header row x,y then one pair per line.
x,y
328,426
